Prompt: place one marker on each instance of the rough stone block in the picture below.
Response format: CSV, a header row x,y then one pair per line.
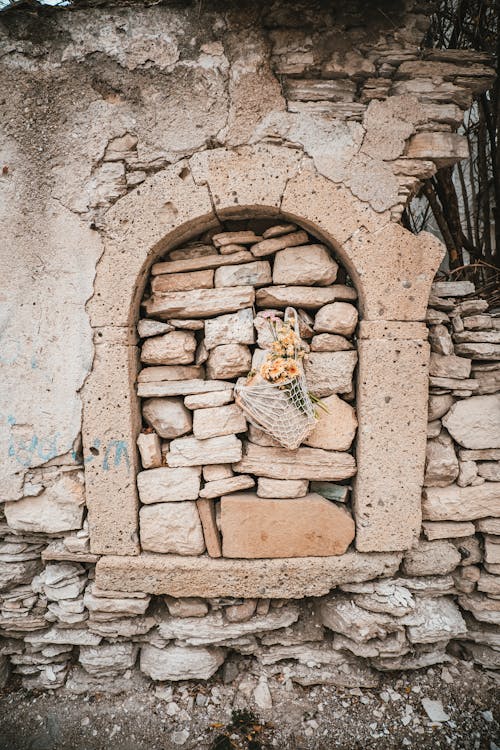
x,y
254,527
254,274
336,427
303,265
229,361
173,528
447,529
206,510
306,297
180,662
150,449
330,372
201,262
181,388
224,486
282,488
303,463
475,422
200,303
58,508
166,485
218,421
270,246
431,558
183,282
236,328
175,348
189,451
338,317
167,416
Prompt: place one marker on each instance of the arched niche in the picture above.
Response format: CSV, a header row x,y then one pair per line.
x,y
391,268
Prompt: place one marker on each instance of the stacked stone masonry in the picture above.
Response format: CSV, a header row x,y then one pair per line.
x,y
394,612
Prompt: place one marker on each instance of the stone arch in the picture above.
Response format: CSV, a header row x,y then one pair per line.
x,y
391,268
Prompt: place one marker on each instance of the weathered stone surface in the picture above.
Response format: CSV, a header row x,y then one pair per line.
x,y
181,388
192,452
329,373
447,529
337,492
441,466
150,450
229,361
200,262
175,348
171,528
488,525
272,245
289,579
490,470
434,620
192,250
167,416
236,328
431,558
475,422
162,373
282,488
439,406
166,485
254,527
483,608
329,342
304,264
278,229
479,351
342,615
492,551
15,574
214,472
117,607
338,317
309,298
303,463
109,659
206,510
224,486
480,455
244,237
218,421
241,612
146,328
449,367
254,274
453,288
336,426
58,508
186,607
200,303
209,400
183,282
453,384
180,662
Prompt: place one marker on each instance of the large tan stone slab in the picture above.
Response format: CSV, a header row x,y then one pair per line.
x,y
229,361
180,662
246,274
305,264
277,488
183,282
391,442
175,348
173,528
456,503
338,317
475,422
336,427
303,463
167,416
307,297
182,388
58,508
200,303
220,420
214,260
280,578
235,328
164,485
330,372
189,451
254,527
447,529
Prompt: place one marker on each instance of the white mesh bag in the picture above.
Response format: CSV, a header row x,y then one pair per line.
x,y
284,411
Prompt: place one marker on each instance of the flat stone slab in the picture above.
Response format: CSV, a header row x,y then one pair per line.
x,y
283,578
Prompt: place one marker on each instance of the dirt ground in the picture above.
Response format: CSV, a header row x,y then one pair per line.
x,y
217,716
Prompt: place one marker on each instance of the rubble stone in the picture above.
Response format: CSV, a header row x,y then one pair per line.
x,y
171,528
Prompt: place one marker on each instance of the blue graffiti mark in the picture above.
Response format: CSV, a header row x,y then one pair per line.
x,y
121,450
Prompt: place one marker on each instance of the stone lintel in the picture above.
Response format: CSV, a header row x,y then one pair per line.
x,y
284,578
392,329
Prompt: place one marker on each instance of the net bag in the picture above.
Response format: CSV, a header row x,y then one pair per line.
x,y
284,411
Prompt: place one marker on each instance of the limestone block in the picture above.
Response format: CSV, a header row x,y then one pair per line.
x,y
224,486
58,508
290,579
441,466
241,612
186,607
214,472
336,427
330,372
229,361
146,328
449,367
441,341
391,442
489,525
338,317
475,422
340,614
485,454
431,558
488,382
477,337
183,282
173,528
18,573
200,262
175,348
441,147
490,470
167,416
278,229
180,662
219,420
247,274
305,264
479,351
303,463
282,488
166,485
489,584
209,400
483,608
447,529
307,297
189,451
492,552
192,250
181,388
434,620
170,373
439,406
272,245
200,303
236,328
150,449
479,322
117,607
329,342
108,659
206,510
254,527
453,288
